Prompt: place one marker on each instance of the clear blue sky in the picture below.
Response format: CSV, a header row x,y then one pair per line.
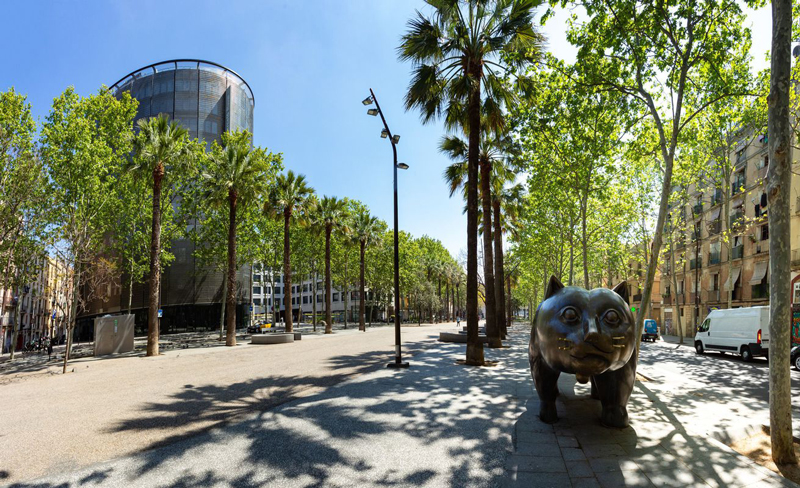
x,y
309,63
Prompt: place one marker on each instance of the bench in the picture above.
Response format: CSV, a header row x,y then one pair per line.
x,y
458,338
271,338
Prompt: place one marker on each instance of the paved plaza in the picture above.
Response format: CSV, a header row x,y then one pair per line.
x,y
358,424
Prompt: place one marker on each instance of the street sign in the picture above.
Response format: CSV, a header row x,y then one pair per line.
x,y
251,308
160,313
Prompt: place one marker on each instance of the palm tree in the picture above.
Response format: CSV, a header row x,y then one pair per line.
x,y
237,175
493,173
159,147
329,212
456,56
364,229
289,194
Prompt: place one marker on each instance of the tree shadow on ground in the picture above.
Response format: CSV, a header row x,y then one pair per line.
x,y
434,424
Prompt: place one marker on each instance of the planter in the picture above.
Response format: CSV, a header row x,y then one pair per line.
x,y
272,338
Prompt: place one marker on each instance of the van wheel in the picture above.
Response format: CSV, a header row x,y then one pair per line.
x,y
747,356
797,362
698,346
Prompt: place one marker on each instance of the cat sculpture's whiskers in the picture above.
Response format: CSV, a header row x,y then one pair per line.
x,y
567,346
618,338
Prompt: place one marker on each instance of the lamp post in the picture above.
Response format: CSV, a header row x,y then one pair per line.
x,y
394,139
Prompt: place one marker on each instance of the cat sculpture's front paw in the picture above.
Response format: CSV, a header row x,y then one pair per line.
x,y
614,417
548,413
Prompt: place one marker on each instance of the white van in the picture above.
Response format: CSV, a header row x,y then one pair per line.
x,y
742,331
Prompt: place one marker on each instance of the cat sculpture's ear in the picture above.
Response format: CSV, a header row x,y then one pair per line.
x,y
622,290
553,287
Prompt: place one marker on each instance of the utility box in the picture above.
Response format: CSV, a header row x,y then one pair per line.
x,y
113,335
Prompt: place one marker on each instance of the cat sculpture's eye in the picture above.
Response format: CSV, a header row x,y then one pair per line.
x,y
569,314
612,318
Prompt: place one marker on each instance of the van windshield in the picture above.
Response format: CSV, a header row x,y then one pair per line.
x,y
704,326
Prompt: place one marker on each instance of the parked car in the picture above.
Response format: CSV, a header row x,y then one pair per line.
x,y
743,331
258,328
650,332
795,357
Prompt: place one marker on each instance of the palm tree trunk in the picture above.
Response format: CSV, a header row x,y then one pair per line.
x,y
499,278
287,271
474,346
328,301
223,302
155,264
230,340
362,304
314,299
492,329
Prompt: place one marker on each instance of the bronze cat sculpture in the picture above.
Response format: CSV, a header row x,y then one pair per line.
x,y
588,333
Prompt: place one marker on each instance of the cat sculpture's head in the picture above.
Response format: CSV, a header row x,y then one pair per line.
x,y
585,332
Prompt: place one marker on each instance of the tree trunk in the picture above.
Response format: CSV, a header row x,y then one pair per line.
x,y
230,340
474,346
328,301
287,272
499,276
155,265
779,181
346,289
223,303
362,302
73,312
676,306
571,251
314,299
584,243
15,329
492,330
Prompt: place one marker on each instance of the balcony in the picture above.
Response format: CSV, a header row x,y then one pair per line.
x,y
762,173
696,263
712,296
762,246
666,300
737,252
738,186
695,236
637,297
716,199
741,157
795,257
697,208
737,219
714,227
681,299
714,258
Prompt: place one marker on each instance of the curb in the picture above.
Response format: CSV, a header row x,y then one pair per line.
x,y
765,471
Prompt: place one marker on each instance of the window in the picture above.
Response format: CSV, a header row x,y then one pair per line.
x,y
305,288
277,290
763,162
256,290
257,278
765,232
704,326
319,298
305,300
267,291
210,126
335,297
256,301
269,302
715,283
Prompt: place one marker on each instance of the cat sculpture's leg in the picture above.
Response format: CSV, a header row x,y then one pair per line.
x,y
594,394
546,381
614,389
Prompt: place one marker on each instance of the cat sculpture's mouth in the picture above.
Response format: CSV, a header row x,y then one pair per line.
x,y
590,350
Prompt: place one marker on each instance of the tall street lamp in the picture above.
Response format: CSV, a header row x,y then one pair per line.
x,y
394,139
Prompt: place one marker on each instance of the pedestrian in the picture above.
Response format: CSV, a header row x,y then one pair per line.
x,y
458,321
49,348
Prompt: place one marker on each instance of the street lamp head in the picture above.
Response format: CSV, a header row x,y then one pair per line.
x,y
384,133
402,165
373,112
367,101
395,138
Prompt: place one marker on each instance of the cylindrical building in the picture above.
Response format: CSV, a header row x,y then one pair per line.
x,y
208,99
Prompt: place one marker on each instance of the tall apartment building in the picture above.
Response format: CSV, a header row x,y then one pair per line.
x,y
41,305
268,291
720,254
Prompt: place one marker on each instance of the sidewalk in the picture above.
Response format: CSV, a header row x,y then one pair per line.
x,y
438,424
